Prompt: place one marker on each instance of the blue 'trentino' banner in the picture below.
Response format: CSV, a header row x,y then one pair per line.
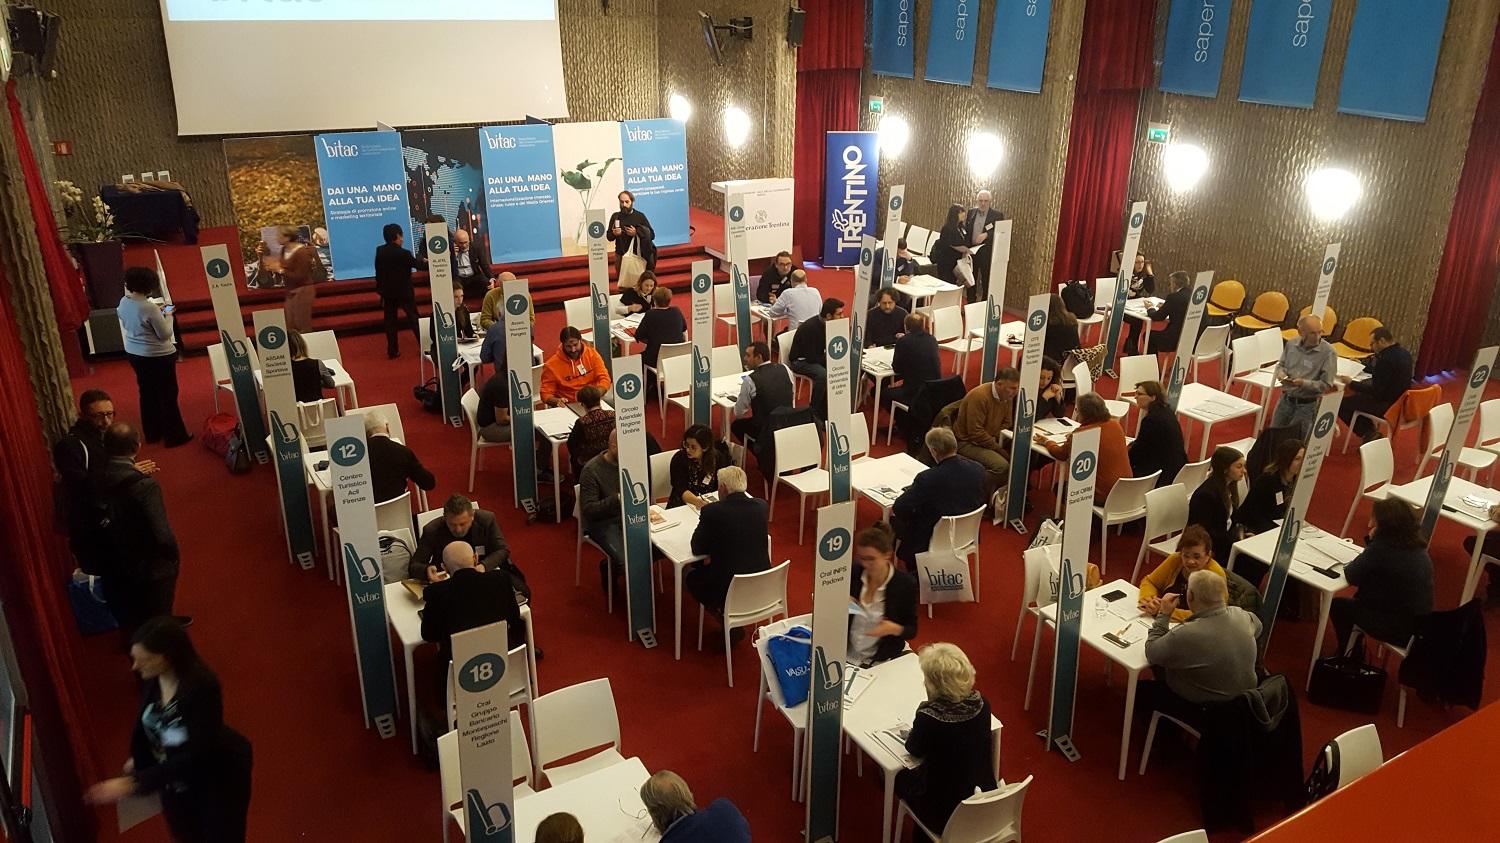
x,y
364,188
1392,56
655,153
951,33
1018,44
851,172
520,192
1194,52
1284,52
892,34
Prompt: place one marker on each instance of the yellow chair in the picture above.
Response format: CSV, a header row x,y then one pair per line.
x,y
1355,344
1227,298
1269,311
1330,321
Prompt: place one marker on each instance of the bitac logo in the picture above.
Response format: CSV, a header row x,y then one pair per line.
x,y
702,283
638,134
1037,320
833,545
838,347
481,673
272,338
1328,266
1199,295
515,305
437,245
339,149
1136,220
1481,374
348,451
629,386
1083,466
1324,425
596,229
943,580
499,141
736,213
218,268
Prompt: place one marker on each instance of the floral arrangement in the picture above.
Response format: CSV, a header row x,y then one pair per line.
x,y
92,223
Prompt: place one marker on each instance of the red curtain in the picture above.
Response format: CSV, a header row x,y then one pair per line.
x,y
41,624
829,64
1114,67
1466,276
68,298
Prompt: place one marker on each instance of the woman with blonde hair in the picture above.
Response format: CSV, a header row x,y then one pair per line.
x,y
676,817
951,735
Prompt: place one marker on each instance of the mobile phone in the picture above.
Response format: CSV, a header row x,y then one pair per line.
x,y
1116,640
169,308
1113,596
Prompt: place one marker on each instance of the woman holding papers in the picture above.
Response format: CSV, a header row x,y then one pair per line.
x,y
1394,576
950,734
883,600
950,246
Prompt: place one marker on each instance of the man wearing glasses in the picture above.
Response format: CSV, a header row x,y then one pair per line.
x,y
79,459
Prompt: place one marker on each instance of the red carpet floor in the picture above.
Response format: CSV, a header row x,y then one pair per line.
x,y
279,638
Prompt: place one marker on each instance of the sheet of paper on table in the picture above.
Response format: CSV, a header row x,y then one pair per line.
x,y
658,518
1126,609
855,683
893,740
1215,409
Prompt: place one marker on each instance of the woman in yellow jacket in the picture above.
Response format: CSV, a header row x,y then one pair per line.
x,y
1194,553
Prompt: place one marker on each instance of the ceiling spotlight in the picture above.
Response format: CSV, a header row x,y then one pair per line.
x,y
1331,192
1184,165
985,153
679,108
894,133
736,126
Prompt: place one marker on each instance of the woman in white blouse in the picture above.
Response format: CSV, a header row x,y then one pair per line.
x,y
883,599
147,331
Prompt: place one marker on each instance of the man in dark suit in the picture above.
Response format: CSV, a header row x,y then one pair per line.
x,y
393,268
392,464
731,532
1390,369
981,221
461,521
469,597
914,361
628,226
777,277
471,267
953,486
140,576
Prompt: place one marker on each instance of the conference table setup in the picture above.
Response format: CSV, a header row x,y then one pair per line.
x,y
606,802
923,287
1209,406
673,538
1466,504
468,352
883,479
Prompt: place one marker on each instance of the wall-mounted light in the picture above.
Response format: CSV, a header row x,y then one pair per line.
x,y
985,153
736,126
1331,192
679,108
894,134
1183,164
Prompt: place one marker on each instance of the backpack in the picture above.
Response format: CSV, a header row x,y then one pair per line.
x,y
395,554
1324,778
1077,299
236,454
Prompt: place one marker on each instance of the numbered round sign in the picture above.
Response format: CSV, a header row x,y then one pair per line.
x,y
1037,320
1083,465
437,244
895,203
515,305
1135,221
1481,374
347,451
1328,266
702,283
838,347
272,338
218,268
1199,295
736,213
629,386
1325,424
866,257
834,544
481,672
596,229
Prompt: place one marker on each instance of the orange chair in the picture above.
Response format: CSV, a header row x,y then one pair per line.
x,y
1269,311
1227,298
1355,344
1330,321
1409,411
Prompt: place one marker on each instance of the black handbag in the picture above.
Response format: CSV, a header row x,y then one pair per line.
x,y
427,394
1347,682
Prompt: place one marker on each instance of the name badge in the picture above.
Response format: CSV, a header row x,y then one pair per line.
x,y
1279,500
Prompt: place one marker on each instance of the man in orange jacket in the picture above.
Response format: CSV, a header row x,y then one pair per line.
x,y
571,367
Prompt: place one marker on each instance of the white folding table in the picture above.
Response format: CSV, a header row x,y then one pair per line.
x,y
1457,510
554,424
883,479
1209,406
606,802
922,287
675,541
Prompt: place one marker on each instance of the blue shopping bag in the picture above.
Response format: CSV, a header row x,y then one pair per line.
x,y
791,656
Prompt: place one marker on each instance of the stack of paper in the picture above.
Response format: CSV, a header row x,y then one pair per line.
x,y
893,740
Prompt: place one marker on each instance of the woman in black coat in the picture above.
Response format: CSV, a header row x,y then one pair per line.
x,y
950,734
1212,505
885,595
1394,576
952,243
181,748
1050,401
1158,443
1062,330
1266,501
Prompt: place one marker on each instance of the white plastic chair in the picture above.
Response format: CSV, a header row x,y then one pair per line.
x,y
799,464
1156,718
1213,345
959,534
452,786
752,598
1194,836
583,539
1083,379
948,330
992,816
424,344
770,689
1133,370
1166,517
1245,368
724,308
1192,475
661,475
1439,423
218,364
1359,753
1041,571
725,360
1489,426
674,381
917,239
310,418
1377,467
1125,502
477,444
579,313
782,350
572,720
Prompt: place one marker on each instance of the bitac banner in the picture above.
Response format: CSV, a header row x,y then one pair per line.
x,y
635,498
850,175
1325,279
1083,470
1018,44
1296,510
703,342
1194,52
445,328
1284,51
951,32
1133,227
1458,434
857,311
655,153
1187,342
364,189
1025,415
517,326
238,353
599,286
520,192
830,642
483,717
1392,56
354,503
286,436
995,300
894,203
838,395
892,38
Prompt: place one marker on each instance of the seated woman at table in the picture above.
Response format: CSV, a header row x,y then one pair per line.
x,y
1213,503
886,321
695,468
637,299
1173,310
662,324
1393,575
1267,499
883,600
1049,399
1114,454
561,827
950,734
678,819
951,244
1062,330
1194,553
309,376
1158,442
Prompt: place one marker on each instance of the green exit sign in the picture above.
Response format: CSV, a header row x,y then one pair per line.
x,y
1159,133
877,105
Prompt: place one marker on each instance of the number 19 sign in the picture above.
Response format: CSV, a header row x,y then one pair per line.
x,y
825,709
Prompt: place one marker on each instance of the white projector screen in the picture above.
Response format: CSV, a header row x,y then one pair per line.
x,y
267,66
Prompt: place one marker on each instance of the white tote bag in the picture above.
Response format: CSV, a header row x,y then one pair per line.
x,y
631,265
943,577
963,271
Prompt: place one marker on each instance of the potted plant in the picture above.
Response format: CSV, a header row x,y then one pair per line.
x,y
90,235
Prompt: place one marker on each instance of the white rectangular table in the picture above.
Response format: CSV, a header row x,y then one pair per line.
x,y
883,479
554,424
675,542
342,383
468,352
1455,510
607,804
724,390
1209,406
1140,311
761,312
876,364
922,287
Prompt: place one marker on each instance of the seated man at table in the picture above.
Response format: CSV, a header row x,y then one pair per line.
x,y
477,528
392,464
953,486
573,366
493,415
809,351
1209,658
1390,370
590,435
678,819
983,417
489,309
470,596
774,281
799,303
731,533
885,324
914,362
765,388
470,267
599,508
906,267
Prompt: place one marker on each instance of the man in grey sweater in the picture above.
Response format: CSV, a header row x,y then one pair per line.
x,y
1308,369
599,506
1210,657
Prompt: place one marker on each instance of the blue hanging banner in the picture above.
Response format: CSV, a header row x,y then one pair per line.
x,y
892,34
1284,52
951,31
520,192
363,179
655,153
1018,44
851,172
1392,56
1194,50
